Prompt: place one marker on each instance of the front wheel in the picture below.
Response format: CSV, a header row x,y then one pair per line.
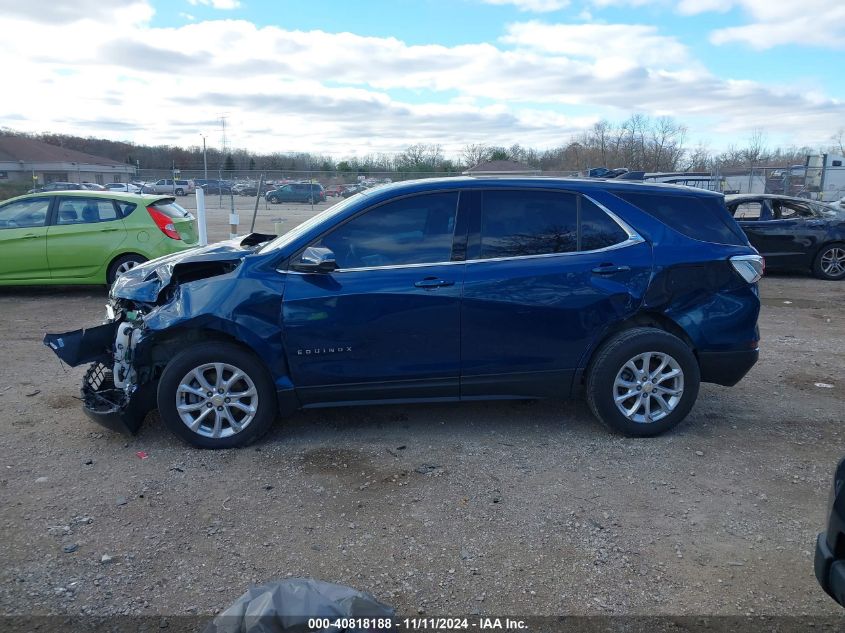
x,y
273,200
217,396
180,192
642,382
830,262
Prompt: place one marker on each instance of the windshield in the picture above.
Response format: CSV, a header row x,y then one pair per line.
x,y
287,238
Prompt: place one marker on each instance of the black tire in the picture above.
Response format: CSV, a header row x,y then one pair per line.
x,y
273,200
121,264
217,352
827,251
180,192
610,359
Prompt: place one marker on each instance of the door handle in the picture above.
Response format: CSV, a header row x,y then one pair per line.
x,y
29,236
109,230
430,283
610,269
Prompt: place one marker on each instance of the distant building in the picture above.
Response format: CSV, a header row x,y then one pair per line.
x,y
39,163
502,168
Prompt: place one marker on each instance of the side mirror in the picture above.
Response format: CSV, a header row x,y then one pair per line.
x,y
315,259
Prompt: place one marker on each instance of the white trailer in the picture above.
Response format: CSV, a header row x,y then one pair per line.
x,y
825,177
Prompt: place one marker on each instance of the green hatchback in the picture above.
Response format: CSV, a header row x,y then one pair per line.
x,y
87,237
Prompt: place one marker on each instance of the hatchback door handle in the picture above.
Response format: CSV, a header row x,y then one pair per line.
x,y
610,269
430,283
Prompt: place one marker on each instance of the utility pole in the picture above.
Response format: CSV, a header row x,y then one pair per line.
x,y
204,159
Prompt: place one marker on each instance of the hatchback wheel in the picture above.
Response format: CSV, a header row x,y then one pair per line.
x,y
218,396
123,264
642,382
830,262
273,200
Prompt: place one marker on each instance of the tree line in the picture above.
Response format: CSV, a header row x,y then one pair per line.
x,y
638,143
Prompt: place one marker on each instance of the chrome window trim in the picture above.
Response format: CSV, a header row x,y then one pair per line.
x,y
633,238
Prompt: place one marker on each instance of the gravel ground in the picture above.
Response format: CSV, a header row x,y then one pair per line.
x,y
525,508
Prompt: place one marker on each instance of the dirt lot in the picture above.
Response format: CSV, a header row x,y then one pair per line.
x,y
521,508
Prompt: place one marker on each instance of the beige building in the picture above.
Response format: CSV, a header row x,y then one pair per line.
x,y
39,163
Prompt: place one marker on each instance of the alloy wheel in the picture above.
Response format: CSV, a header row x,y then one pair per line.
x,y
833,261
216,400
648,387
125,267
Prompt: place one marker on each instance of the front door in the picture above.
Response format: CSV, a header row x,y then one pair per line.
x,y
23,239
385,325
539,287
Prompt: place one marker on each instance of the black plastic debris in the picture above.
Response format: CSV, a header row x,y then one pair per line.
x,y
286,606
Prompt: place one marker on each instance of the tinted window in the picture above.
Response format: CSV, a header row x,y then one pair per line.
x,y
523,222
24,213
84,211
598,230
414,230
125,208
700,218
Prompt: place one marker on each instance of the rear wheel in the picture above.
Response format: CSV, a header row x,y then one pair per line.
x,y
217,396
123,264
642,382
830,262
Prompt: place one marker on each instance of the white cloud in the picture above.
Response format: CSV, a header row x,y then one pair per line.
x,y
536,6
625,45
217,4
817,23
334,92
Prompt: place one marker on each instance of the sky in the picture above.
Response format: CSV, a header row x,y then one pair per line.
x,y
352,78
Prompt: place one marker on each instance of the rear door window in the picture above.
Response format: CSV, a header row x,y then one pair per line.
x,y
598,230
701,218
517,223
789,210
85,211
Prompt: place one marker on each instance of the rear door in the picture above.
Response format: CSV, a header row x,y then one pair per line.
x,y
385,325
547,271
85,233
23,239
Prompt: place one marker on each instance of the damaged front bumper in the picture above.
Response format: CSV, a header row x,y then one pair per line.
x,y
111,395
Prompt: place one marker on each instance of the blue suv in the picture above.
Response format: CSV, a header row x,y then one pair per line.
x,y
436,290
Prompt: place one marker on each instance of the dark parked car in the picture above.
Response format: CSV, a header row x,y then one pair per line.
x,y
351,191
297,192
58,186
436,290
214,187
793,233
830,545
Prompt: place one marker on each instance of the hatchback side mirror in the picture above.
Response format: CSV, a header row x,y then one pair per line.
x,y
315,259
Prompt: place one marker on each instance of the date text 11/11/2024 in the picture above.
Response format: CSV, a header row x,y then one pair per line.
x,y
430,624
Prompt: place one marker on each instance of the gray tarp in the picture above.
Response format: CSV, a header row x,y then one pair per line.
x,y
285,607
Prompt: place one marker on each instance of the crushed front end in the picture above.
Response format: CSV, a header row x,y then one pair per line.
x,y
114,393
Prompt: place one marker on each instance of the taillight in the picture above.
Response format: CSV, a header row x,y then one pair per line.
x,y
749,267
164,223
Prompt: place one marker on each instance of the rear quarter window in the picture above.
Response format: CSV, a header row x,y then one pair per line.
x,y
704,219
